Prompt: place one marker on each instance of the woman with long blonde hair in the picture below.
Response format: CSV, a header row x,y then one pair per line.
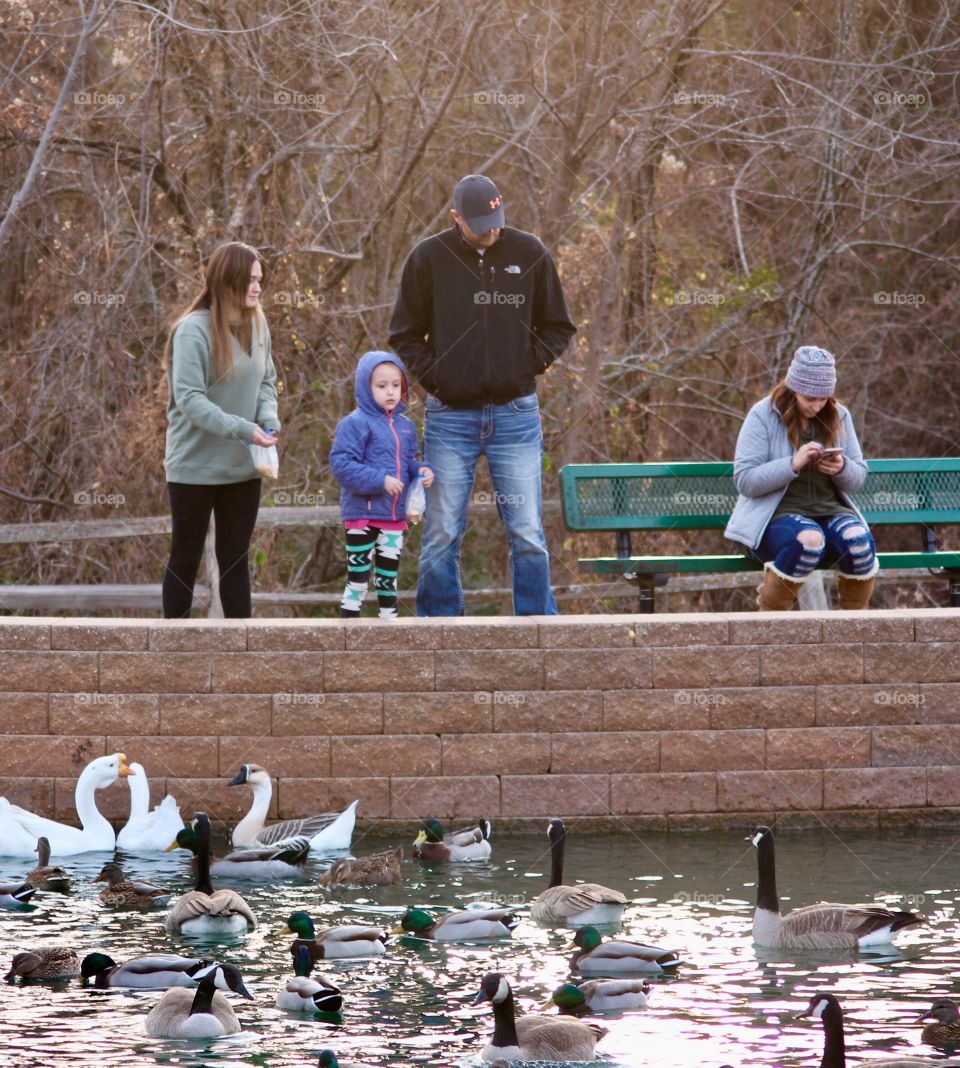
x,y
223,398
797,462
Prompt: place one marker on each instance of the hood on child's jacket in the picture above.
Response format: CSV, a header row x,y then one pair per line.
x,y
361,386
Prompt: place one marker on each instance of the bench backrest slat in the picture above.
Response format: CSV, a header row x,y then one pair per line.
x,y
697,496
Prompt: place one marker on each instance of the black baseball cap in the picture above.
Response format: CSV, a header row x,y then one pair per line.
x,y
477,199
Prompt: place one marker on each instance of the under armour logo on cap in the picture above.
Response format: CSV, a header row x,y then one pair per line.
x,y
479,203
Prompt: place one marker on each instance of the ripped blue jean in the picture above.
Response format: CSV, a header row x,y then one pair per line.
x,y
846,543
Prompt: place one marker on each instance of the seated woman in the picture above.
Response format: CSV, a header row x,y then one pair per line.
x,y
797,461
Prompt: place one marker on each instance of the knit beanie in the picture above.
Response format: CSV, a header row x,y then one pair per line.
x,y
813,372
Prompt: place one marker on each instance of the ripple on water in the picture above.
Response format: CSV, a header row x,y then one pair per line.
x,y
730,1004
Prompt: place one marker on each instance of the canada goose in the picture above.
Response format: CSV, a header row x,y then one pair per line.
x,y
159,972
375,869
145,830
826,1009
616,957
203,910
305,993
823,926
46,876
573,905
600,995
471,925
14,894
57,962
334,942
327,831
532,1038
266,862
472,843
121,890
203,1013
19,829
946,1031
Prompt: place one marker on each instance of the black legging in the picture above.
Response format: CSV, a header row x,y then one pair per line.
x,y
234,508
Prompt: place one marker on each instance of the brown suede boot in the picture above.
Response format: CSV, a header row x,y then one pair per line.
x,y
776,594
855,593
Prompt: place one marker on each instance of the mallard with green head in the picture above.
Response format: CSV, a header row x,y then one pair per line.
x,y
469,926
471,843
600,995
159,972
615,956
14,894
334,942
262,862
306,993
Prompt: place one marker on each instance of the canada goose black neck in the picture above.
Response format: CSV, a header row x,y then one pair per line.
x,y
766,872
203,999
505,1023
834,1047
557,835
201,825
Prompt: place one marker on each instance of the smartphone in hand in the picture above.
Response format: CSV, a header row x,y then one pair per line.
x,y
836,451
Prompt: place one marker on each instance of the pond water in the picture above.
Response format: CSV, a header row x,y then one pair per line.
x,y
732,1004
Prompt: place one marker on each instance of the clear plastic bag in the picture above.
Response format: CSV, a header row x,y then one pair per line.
x,y
416,500
266,460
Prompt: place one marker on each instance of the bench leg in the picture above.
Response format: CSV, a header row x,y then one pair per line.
x,y
647,599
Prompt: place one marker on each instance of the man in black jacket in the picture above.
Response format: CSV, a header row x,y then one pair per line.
x,y
480,314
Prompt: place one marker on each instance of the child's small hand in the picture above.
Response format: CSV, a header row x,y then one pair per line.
x,y
426,477
393,486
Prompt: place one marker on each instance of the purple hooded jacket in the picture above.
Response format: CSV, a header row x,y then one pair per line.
x,y
368,445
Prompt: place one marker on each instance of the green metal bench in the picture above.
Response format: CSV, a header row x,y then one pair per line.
x,y
624,498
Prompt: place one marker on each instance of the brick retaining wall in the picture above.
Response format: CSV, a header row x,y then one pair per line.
x,y
679,721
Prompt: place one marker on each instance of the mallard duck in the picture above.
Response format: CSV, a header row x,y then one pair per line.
x,y
20,829
203,910
328,831
46,876
469,926
328,1059
616,957
946,1031
160,972
826,1009
375,869
15,894
147,831
600,995
121,890
822,926
532,1038
203,1013
472,843
304,993
348,941
573,905
270,862
57,962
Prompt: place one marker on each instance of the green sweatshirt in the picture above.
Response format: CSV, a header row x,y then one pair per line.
x,y
211,421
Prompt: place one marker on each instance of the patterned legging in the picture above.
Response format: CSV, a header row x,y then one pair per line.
x,y
368,546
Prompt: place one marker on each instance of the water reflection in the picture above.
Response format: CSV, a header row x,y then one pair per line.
x,y
732,1003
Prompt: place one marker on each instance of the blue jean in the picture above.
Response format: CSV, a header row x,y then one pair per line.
x,y
853,553
511,438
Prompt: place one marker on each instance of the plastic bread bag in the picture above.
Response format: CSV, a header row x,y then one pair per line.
x,y
416,500
266,460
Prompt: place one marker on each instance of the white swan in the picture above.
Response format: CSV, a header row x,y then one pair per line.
x,y
95,834
148,831
328,831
